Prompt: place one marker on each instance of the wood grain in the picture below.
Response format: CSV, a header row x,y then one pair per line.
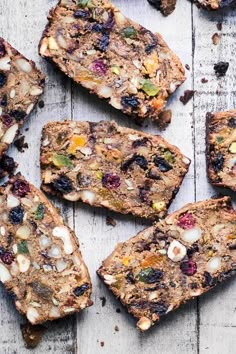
x,y
205,326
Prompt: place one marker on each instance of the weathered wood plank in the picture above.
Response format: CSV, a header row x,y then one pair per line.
x,y
217,317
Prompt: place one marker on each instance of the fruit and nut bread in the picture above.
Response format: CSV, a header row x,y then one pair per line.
x,y
40,261
177,259
21,84
221,148
165,6
110,166
92,42
215,4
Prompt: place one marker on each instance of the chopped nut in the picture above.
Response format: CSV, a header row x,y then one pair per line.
x,y
63,233
144,323
24,65
4,274
10,134
23,232
23,262
176,251
32,315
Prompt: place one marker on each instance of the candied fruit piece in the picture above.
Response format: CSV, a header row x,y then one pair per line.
x,y
99,67
111,181
150,275
186,221
149,88
7,257
61,161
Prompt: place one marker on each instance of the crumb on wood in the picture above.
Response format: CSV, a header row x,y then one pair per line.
x,y
219,26
165,118
116,328
187,66
20,144
204,80
7,166
102,344
41,104
215,38
118,310
32,335
103,299
110,221
26,129
188,94
221,68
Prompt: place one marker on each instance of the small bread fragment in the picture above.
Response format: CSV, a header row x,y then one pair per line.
x,y
221,148
93,43
177,259
40,261
21,84
106,165
215,4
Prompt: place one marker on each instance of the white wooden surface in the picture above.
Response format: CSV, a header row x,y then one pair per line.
x,y
205,326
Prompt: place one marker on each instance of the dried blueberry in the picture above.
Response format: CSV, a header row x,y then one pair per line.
x,y
130,278
2,49
110,181
82,180
80,290
7,120
20,188
63,184
7,258
104,42
7,164
97,27
232,122
130,101
138,159
17,114
82,14
3,79
150,275
218,163
188,267
16,215
162,164
2,251
221,68
3,101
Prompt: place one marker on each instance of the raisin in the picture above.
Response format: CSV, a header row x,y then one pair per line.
x,y
7,163
193,249
138,159
104,42
188,267
2,49
130,101
7,258
99,67
20,188
80,290
16,215
152,175
81,14
140,142
208,280
221,68
218,163
130,278
3,79
232,247
151,39
143,194
232,122
63,184
97,27
17,114
162,164
7,120
150,275
3,102
110,181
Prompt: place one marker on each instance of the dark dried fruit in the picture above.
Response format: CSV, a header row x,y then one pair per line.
x,y
221,68
110,221
7,164
218,163
151,40
188,267
140,142
162,164
143,194
18,114
7,120
32,334
193,249
138,160
63,184
20,188
208,280
3,79
80,290
104,42
16,215
81,14
130,101
186,221
97,27
7,257
188,94
110,181
20,144
232,123
150,275
158,307
42,290
232,247
152,175
2,49
109,24
166,7
3,101
130,278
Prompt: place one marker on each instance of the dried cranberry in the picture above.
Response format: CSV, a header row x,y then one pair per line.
x,y
3,101
186,221
130,101
20,188
110,181
63,184
80,290
99,67
7,258
221,68
138,159
16,215
232,122
7,163
17,114
2,49
218,163
104,42
162,164
82,14
188,267
7,120
3,79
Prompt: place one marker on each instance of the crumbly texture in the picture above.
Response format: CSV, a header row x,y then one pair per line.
x,y
165,6
112,56
106,165
215,4
175,260
221,148
40,261
21,84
